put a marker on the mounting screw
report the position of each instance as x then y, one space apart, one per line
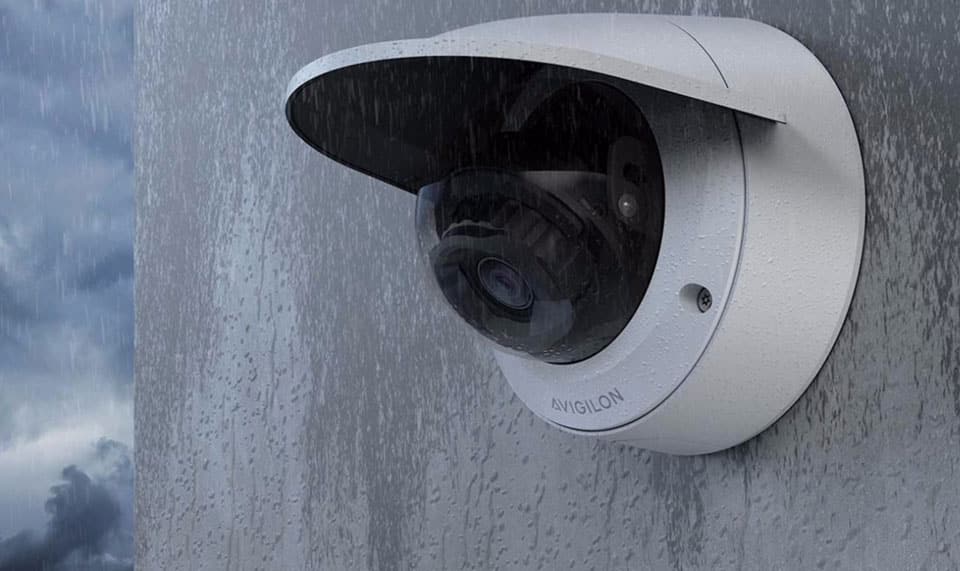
704 300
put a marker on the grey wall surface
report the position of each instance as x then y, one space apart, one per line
302 405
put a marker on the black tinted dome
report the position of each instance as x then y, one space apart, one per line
540 188
546 236
411 122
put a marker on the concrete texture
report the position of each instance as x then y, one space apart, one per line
301 404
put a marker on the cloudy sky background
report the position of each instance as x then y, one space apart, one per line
66 281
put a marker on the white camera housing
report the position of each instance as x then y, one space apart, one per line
762 228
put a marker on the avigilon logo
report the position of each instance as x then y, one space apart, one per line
589 406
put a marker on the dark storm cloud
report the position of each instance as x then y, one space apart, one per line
90 523
82 514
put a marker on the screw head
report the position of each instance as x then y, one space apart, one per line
704 300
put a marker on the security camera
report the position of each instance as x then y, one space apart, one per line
657 221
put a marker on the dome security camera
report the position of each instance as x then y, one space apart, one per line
657 220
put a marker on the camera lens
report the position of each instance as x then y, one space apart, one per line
504 283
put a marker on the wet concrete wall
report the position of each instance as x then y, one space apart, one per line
301 404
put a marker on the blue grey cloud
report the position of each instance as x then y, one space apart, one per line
66 116
66 268
68 65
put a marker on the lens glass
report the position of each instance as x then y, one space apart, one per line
504 283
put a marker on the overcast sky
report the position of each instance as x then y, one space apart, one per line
66 280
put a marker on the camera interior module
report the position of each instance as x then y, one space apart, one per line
657 221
